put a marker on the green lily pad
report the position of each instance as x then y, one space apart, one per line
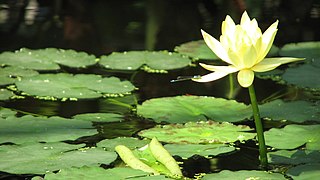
5 94
196 50
295 111
46 59
244 175
10 74
40 158
129 142
305 76
99 117
181 109
305 172
199 50
149 61
293 136
302 50
94 173
5 112
78 86
294 157
187 150
199 133
39 129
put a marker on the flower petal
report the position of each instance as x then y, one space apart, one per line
267 40
245 20
211 77
226 69
245 77
216 47
269 64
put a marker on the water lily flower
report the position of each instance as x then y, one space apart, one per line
244 48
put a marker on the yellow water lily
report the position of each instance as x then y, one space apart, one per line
244 47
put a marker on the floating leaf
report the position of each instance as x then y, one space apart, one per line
305 76
199 50
294 157
10 74
99 117
296 111
187 150
78 86
46 59
181 109
305 172
293 136
39 129
302 49
199 133
133 60
244 175
129 142
94 173
40 158
5 94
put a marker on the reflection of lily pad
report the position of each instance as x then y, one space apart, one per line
99 117
134 60
305 172
73 86
95 173
5 94
188 150
293 136
244 175
182 109
199 133
36 158
296 111
294 157
38 129
129 142
46 59
305 76
302 49
199 50
10 74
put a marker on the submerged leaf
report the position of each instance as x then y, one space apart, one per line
181 109
129 142
244 175
99 117
294 157
199 133
293 136
133 60
305 172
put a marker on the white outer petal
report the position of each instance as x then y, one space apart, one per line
211 77
226 69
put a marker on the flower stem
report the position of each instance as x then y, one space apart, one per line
259 128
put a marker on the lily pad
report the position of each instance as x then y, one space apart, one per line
303 49
181 109
293 136
78 86
244 175
294 157
99 117
94 173
199 50
40 158
41 129
305 172
295 111
305 76
129 142
5 112
154 61
10 74
199 133
187 150
5 94
46 59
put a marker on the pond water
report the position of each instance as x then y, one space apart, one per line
102 27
